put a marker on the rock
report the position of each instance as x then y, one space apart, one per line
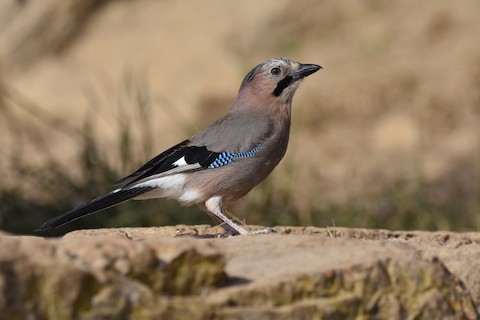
187 273
82 276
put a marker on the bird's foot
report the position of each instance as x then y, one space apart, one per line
233 233
262 231
227 234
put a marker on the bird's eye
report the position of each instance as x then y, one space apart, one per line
275 71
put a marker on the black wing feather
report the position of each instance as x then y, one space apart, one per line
200 155
165 161
153 163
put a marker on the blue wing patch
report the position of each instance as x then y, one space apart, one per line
225 158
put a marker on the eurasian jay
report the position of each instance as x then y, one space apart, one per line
224 161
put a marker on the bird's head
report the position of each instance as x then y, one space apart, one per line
274 81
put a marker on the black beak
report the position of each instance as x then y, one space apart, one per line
304 71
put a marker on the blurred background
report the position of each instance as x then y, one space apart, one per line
386 136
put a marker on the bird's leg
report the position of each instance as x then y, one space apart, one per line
213 207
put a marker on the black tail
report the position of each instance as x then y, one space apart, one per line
100 203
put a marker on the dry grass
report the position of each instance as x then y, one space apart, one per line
387 135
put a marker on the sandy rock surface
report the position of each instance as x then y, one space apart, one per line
187 272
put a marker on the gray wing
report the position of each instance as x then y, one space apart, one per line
236 132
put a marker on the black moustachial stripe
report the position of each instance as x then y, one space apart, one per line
282 84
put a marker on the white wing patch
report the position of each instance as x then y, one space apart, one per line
180 162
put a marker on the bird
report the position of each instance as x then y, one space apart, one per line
224 161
